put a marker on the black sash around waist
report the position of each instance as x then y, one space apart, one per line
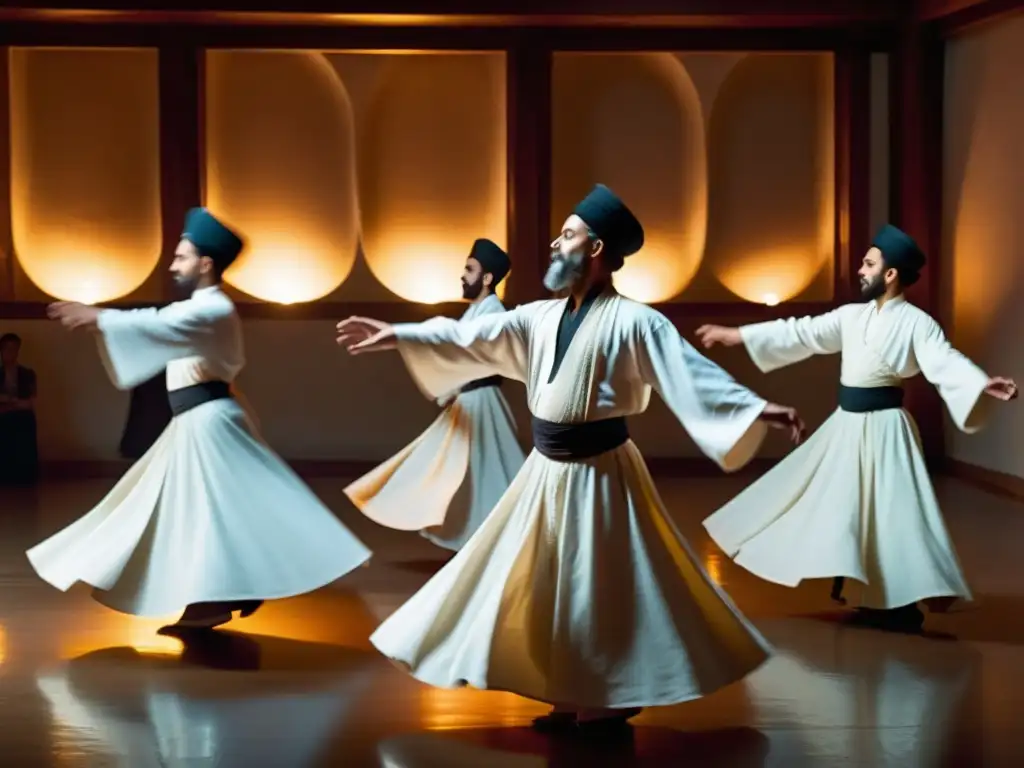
573 442
870 399
185 399
490 381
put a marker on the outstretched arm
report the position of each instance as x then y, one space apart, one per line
726 420
960 382
443 354
779 343
137 344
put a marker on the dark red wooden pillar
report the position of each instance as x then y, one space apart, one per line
181 158
852 166
528 83
916 91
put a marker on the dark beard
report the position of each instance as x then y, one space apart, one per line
872 290
471 291
185 286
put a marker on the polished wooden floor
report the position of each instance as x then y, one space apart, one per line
298 684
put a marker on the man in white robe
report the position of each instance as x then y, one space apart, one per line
578 590
448 480
856 500
209 520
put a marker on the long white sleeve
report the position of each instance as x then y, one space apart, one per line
718 413
443 354
959 381
779 343
136 345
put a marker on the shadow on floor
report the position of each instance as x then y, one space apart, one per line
525 748
987 619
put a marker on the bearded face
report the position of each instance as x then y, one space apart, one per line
570 253
872 287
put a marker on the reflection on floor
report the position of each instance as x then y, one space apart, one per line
298 684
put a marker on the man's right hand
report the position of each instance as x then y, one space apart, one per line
362 334
783 417
710 335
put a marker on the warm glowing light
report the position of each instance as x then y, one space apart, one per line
289 185
85 169
446 709
133 632
713 566
143 638
644 136
433 167
3 644
433 275
289 273
652 276
772 188
771 277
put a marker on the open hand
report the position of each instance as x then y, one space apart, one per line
710 335
362 334
1001 389
73 315
783 417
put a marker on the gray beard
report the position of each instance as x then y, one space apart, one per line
563 273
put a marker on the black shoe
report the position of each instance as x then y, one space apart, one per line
249 607
908 618
617 721
555 721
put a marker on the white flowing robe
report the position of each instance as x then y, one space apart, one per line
856 500
209 513
451 476
578 588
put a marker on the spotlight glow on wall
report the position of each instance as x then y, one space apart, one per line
85 169
281 166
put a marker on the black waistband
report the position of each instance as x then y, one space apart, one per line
185 399
490 381
869 399
572 442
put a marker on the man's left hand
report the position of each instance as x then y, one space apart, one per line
73 315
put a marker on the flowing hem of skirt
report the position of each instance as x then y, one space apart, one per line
610 703
863 583
102 596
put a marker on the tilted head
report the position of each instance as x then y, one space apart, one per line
893 263
207 248
486 266
594 242
10 346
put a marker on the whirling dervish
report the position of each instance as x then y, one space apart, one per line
578 590
209 520
448 479
855 501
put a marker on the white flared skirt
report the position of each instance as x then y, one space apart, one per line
577 589
446 482
209 513
856 501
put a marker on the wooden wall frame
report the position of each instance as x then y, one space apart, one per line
850 33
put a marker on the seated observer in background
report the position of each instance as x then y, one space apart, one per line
19 453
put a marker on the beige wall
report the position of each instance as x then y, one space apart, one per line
315 402
356 199
983 223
